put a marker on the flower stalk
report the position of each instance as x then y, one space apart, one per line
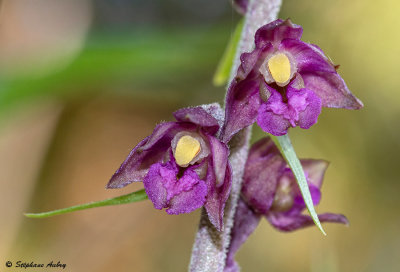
210 247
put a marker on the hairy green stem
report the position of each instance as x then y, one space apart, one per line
210 247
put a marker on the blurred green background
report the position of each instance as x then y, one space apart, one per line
81 82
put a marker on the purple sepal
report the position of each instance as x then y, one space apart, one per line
263 168
217 196
242 105
165 130
219 155
123 176
315 170
198 116
276 31
150 150
246 222
182 195
299 221
251 62
319 75
298 202
332 90
306 57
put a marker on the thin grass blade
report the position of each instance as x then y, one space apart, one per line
124 199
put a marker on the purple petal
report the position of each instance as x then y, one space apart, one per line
317 49
299 204
217 196
307 58
164 131
292 223
198 116
154 180
253 60
263 168
311 104
149 151
270 115
263 149
201 169
332 90
290 202
302 108
178 196
243 101
135 166
315 193
192 194
246 222
276 31
334 218
219 155
315 170
215 110
320 76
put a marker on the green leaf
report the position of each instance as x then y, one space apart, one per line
224 67
287 150
124 199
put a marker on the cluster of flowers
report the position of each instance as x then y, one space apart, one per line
184 165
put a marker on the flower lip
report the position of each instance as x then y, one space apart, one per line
177 196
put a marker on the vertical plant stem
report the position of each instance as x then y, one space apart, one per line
210 247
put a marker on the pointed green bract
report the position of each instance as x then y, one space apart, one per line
124 199
287 150
224 67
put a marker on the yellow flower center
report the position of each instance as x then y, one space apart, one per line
279 68
186 149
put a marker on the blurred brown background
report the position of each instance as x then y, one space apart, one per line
81 82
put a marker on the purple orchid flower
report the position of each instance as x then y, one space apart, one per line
182 164
270 190
283 83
